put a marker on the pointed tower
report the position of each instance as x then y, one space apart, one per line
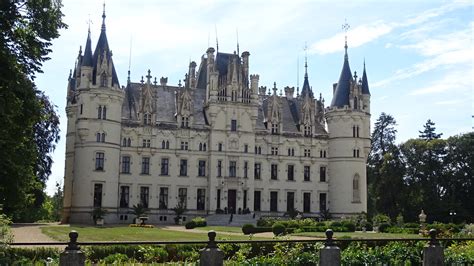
94 116
308 108
348 120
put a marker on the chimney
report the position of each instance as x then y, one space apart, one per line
289 91
163 81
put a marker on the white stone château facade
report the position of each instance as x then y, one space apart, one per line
218 141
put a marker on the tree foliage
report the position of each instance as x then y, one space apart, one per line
427 173
28 122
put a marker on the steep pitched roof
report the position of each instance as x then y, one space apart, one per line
306 88
341 94
87 58
365 83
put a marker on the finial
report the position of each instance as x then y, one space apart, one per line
305 60
103 17
274 88
148 77
142 80
179 83
128 77
237 32
329 241
345 27
80 49
70 73
355 75
155 82
217 41
89 22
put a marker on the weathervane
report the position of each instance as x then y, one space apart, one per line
345 27
306 59
89 22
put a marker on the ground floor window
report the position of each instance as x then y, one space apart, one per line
97 195
144 196
322 201
124 196
163 203
306 202
201 198
273 201
183 195
256 200
290 201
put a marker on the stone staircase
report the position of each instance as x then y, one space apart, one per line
237 219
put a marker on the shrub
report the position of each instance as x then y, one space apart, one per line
350 226
200 222
141 225
278 229
380 218
411 225
152 254
190 225
368 226
383 227
247 229
117 258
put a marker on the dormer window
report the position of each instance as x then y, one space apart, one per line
147 119
307 131
275 128
184 122
103 80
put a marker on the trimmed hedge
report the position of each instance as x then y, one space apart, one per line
196 222
278 229
248 229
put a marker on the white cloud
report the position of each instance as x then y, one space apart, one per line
448 102
453 81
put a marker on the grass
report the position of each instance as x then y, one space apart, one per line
358 235
230 229
122 233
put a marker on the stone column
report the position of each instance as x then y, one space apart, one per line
433 253
330 255
212 255
72 255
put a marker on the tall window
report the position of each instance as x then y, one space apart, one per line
163 203
246 148
306 202
246 169
129 142
291 172
126 164
97 195
356 188
273 201
256 200
102 112
100 137
219 168
322 202
200 146
183 196
99 112
307 173
232 169
99 161
245 199
322 174
124 196
163 144
274 172
183 167
290 201
353 131
202 168
144 196
164 166
218 199
103 80
219 146
204 147
233 125
167 144
357 131
146 165
257 171
124 142
201 198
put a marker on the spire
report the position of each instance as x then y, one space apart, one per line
87 59
365 83
306 90
345 27
341 93
103 17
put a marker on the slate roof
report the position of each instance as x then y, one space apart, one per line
87 58
365 83
341 94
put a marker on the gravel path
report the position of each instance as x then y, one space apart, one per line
26 233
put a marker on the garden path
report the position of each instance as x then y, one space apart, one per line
31 232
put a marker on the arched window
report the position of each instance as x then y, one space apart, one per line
163 145
129 142
204 148
98 137
167 144
259 150
124 142
357 131
324 154
356 188
200 146
355 103
102 137
104 112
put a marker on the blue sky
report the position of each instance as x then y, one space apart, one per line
419 54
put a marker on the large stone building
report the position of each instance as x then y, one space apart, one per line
216 142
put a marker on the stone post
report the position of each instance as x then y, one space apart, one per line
72 255
433 253
211 255
330 255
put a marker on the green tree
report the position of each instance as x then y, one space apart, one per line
383 142
429 132
28 123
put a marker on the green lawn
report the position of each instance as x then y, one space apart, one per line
123 233
232 229
358 235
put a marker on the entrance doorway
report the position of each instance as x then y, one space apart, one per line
231 200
